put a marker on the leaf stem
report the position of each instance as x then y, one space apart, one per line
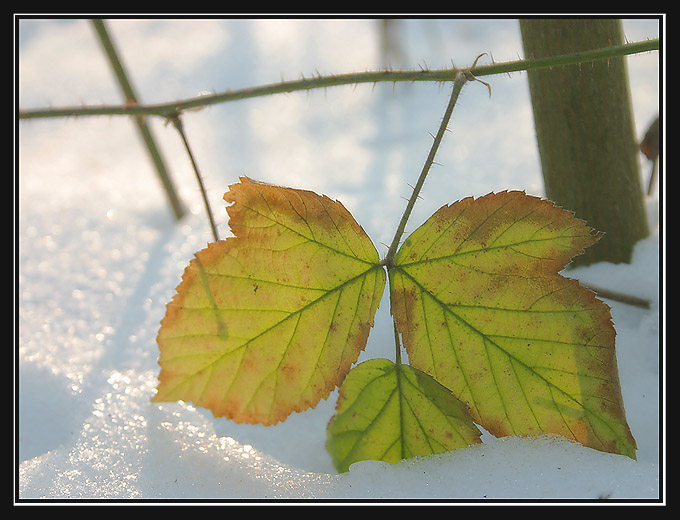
178 125
460 80
397 346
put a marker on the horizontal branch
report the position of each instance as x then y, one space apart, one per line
547 62
628 299
171 110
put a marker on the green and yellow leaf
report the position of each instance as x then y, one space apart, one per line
270 321
481 307
390 412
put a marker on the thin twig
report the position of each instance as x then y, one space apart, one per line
144 130
628 299
178 125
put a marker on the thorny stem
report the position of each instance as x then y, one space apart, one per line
169 110
178 125
460 80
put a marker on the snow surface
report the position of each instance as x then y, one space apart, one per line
100 254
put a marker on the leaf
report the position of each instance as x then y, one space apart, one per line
481 306
268 322
390 412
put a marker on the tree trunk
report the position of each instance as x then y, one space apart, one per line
585 133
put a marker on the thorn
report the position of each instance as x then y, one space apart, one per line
476 59
485 83
471 77
418 197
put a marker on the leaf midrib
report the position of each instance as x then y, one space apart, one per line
489 249
447 309
312 238
289 316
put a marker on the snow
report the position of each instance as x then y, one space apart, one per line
99 254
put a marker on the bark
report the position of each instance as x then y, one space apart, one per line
585 133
